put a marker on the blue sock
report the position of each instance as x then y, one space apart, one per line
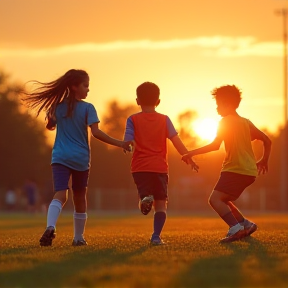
159 221
79 225
53 213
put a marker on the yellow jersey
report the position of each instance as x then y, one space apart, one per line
234 131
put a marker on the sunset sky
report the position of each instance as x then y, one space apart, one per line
187 47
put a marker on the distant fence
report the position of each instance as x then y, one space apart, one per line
189 200
121 200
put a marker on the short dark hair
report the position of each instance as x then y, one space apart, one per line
229 94
148 93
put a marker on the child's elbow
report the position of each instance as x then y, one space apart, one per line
215 145
95 132
268 142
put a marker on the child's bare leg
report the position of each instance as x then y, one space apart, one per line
219 202
79 200
236 212
160 207
61 196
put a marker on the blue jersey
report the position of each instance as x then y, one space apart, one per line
72 147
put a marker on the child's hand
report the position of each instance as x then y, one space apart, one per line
262 167
127 146
187 159
194 166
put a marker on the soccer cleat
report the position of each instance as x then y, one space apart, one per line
157 242
249 227
48 236
146 204
234 234
79 242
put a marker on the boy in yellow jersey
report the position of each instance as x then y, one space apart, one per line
149 131
239 168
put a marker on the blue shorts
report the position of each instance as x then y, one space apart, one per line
233 183
151 183
62 174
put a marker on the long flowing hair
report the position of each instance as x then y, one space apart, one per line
48 95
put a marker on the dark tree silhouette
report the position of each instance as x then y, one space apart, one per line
115 119
24 151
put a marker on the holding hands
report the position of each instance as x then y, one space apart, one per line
188 160
127 146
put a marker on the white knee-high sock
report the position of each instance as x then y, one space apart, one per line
53 213
79 225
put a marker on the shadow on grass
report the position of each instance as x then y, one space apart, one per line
227 270
59 273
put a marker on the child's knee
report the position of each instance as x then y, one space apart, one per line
160 205
213 199
62 196
210 201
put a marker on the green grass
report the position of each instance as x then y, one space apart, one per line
118 254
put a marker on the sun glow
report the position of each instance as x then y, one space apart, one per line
205 128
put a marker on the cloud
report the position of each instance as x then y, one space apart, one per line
217 46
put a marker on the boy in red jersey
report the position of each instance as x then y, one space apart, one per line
239 169
149 131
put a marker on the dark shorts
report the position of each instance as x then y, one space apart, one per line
151 183
233 183
62 174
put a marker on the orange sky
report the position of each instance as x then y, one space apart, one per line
187 47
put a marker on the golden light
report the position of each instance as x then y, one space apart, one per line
205 128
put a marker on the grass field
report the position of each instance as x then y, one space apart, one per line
118 254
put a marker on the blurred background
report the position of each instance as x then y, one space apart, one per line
187 48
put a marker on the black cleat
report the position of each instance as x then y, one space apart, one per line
48 236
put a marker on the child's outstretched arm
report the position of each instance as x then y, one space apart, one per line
213 146
256 134
180 147
102 136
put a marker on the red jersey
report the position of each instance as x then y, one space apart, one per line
150 132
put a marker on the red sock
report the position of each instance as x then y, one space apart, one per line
230 219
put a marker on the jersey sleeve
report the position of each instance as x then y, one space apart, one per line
170 128
92 116
129 130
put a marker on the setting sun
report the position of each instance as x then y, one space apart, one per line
205 128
